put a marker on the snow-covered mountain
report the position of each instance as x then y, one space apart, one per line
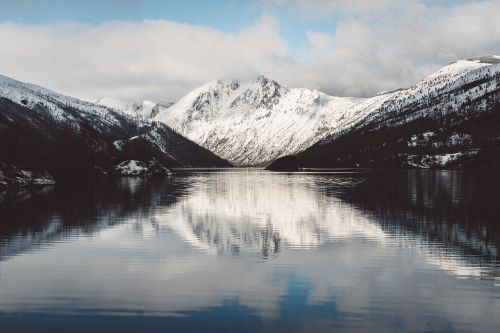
249 123
145 110
48 134
449 119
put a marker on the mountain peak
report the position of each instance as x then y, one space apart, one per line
264 80
251 122
488 59
234 84
144 110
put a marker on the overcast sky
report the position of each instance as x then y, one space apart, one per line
160 50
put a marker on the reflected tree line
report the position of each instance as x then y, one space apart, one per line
454 208
34 217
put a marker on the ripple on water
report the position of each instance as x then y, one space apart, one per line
259 251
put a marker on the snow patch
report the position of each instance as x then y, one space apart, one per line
439 160
141 168
13 176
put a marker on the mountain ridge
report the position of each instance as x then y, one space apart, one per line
249 123
450 118
447 120
144 111
48 136
253 123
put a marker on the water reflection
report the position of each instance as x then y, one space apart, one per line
37 218
249 251
259 213
451 216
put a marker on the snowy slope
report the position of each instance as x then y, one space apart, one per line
253 122
41 130
145 110
56 105
445 120
426 94
249 123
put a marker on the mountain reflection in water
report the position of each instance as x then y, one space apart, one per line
248 250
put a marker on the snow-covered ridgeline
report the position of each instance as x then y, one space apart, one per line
144 111
249 123
254 122
439 93
31 96
87 138
433 92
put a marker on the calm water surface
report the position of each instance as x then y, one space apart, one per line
248 251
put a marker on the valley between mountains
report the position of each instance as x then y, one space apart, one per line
449 119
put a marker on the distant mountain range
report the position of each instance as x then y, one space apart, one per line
450 119
145 110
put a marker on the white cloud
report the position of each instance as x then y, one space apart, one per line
132 60
329 7
372 53
373 48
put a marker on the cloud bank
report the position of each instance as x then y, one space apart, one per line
372 49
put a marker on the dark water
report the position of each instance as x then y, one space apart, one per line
250 251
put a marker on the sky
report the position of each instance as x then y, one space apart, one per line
161 50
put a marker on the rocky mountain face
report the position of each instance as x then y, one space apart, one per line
45 135
250 123
144 111
451 119
445 118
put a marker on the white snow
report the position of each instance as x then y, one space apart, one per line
455 68
437 94
140 168
20 177
131 168
142 111
253 122
44 179
439 160
457 139
113 103
421 139
258 121
30 95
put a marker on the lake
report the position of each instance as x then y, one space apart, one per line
246 250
